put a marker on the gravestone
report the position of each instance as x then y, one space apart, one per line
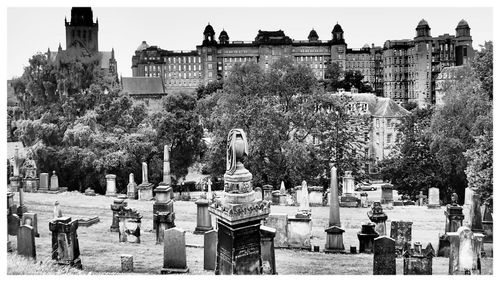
131 187
163 207
30 219
467 207
304 209
315 195
130 225
117 206
433 202
268 189
54 182
22 207
209 250
488 220
127 263
238 214
465 252
401 233
44 182
26 242
334 237
267 250
203 219
364 198
111 185
366 237
454 218
384 256
57 210
30 180
174 256
88 221
348 199
386 194
299 232
258 194
65 247
421 198
13 223
417 261
476 215
279 221
145 189
378 216
282 194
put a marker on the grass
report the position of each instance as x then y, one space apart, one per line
100 249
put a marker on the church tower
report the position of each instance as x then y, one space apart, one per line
81 31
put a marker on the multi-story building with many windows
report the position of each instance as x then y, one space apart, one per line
404 70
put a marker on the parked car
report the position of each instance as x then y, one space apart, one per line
365 186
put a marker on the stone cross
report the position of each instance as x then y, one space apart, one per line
166 165
145 173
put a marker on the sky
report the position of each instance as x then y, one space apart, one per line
35 29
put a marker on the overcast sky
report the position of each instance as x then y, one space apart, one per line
32 30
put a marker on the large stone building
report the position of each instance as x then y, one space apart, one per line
82 38
411 67
381 135
404 70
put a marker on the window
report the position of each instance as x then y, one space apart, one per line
209 58
389 138
209 66
210 74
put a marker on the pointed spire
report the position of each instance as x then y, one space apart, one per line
112 53
59 49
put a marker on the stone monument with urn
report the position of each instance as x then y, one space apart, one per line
163 208
238 214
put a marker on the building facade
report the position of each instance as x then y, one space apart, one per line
404 70
82 39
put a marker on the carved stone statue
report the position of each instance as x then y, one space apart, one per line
237 149
454 199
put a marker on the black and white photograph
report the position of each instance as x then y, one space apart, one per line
266 138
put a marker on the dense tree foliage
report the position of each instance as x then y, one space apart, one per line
76 122
453 149
294 129
336 78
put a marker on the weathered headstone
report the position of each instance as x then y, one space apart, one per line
364 198
65 247
384 256
401 233
476 215
258 194
348 199
433 202
145 189
387 194
282 194
334 239
366 237
378 216
30 219
488 220
203 219
209 250
417 261
57 210
267 250
299 232
88 221
111 185
22 207
127 263
467 207
174 256
131 187
238 214
44 182
279 221
54 182
465 252
163 207
268 189
26 242
304 209
130 225
117 206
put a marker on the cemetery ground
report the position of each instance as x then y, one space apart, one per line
100 249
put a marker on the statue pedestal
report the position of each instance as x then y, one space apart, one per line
163 211
334 240
145 191
15 183
203 219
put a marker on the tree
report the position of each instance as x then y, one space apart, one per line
355 79
412 167
333 77
282 111
204 90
